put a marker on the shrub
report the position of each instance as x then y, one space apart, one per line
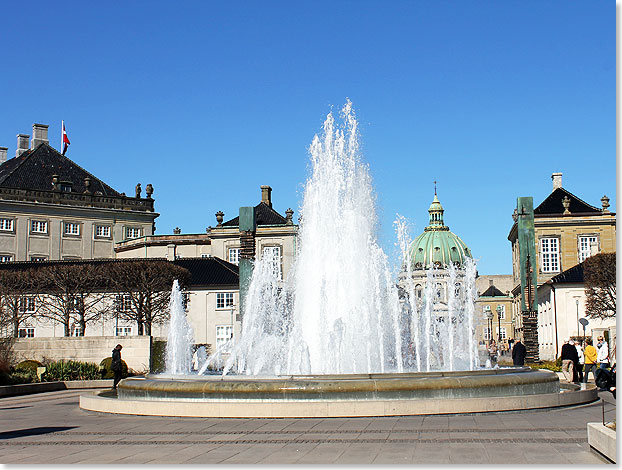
107 373
28 365
158 357
549 365
70 370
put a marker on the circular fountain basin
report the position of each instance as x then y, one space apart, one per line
340 395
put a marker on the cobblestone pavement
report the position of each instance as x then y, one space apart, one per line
50 428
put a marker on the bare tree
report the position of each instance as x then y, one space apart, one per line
599 273
18 299
147 285
74 294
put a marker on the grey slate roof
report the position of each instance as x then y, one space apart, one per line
571 275
264 215
34 168
552 205
204 272
492 291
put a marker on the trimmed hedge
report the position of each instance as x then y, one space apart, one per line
28 365
105 372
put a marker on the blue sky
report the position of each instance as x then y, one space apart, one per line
209 100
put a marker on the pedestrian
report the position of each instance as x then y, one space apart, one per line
492 350
603 353
519 351
115 365
590 355
569 356
579 365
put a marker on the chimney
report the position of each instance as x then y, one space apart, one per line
39 134
266 195
22 144
3 154
490 281
557 180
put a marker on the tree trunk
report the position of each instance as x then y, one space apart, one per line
15 322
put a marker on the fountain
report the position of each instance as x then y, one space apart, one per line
339 336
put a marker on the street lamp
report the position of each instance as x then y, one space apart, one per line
577 301
499 319
489 318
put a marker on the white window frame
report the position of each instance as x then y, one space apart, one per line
502 314
224 334
487 332
29 332
6 225
124 302
275 253
585 246
39 227
27 304
123 331
235 259
549 254
71 229
6 258
76 330
132 230
504 334
224 300
106 231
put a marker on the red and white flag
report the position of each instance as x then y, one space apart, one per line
65 140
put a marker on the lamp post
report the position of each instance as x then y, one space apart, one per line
499 319
489 318
577 302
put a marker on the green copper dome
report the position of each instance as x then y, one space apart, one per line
437 246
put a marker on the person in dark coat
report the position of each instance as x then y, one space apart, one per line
569 357
115 365
519 351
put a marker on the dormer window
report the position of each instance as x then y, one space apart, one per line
65 188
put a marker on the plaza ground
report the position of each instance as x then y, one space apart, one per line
50 428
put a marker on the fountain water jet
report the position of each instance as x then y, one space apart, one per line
329 340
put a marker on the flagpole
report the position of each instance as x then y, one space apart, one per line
62 126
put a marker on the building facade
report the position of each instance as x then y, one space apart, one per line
495 307
567 231
52 209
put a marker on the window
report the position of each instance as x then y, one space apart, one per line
487 333
38 258
224 333
549 251
38 226
132 232
65 188
27 305
102 231
6 225
6 258
501 312
273 254
124 303
224 299
26 333
71 228
77 331
585 247
419 290
123 331
502 333
486 309
234 255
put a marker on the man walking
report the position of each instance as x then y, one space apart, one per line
590 355
115 365
569 358
519 351
579 366
603 353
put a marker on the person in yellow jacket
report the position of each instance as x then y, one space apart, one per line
590 354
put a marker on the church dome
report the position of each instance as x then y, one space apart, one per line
437 246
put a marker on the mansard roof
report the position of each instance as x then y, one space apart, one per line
552 205
492 291
264 214
33 170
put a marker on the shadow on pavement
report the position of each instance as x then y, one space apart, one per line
33 431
